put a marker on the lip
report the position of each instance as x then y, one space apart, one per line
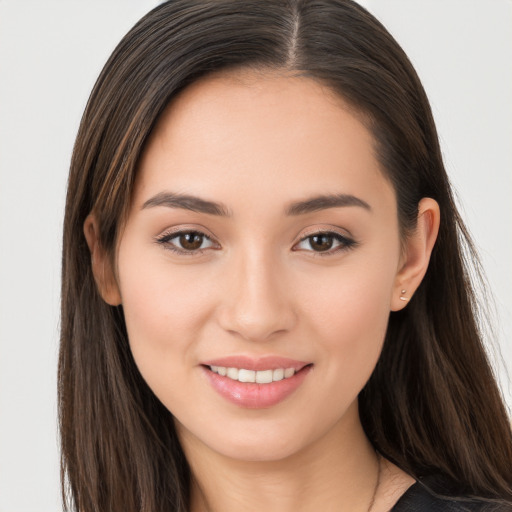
251 395
257 364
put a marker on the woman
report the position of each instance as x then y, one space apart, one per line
269 308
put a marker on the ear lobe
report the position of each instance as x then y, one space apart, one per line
100 263
416 257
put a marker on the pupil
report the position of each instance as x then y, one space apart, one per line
191 241
321 242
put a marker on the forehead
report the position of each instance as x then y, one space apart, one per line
258 132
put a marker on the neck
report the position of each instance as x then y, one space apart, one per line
339 471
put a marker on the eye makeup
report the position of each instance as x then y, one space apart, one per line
189 242
192 242
326 243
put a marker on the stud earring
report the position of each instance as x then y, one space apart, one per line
402 295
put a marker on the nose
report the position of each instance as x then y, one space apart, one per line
258 300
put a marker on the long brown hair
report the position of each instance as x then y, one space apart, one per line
431 406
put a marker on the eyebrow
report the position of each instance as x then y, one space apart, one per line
324 202
187 202
196 204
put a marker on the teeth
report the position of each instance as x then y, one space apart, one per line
260 376
288 373
232 373
246 375
264 376
278 374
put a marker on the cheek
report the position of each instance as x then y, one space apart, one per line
350 313
164 308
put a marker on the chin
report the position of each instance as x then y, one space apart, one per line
261 451
253 441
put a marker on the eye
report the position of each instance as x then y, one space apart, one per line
186 242
327 242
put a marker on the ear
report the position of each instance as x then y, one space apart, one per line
416 254
101 266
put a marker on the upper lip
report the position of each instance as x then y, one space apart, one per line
256 363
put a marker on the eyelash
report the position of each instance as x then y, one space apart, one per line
345 243
165 239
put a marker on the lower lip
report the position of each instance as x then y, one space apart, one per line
255 396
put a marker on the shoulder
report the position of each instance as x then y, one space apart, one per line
421 498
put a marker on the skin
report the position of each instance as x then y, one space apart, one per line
257 142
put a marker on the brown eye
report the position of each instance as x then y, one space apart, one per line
191 241
186 242
325 242
321 242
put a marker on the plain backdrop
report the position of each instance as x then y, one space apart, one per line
50 55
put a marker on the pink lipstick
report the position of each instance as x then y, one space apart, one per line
255 383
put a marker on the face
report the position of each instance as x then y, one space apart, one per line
262 244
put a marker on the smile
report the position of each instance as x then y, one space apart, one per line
260 376
255 383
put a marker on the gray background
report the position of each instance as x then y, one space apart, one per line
50 55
